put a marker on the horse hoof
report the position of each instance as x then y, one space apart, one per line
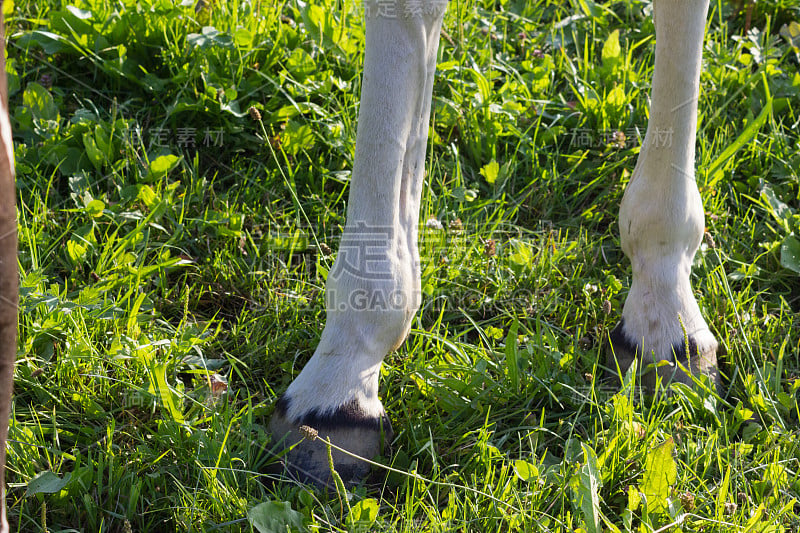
306 443
699 357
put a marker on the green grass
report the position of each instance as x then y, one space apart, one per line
164 239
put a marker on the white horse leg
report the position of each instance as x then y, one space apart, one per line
661 217
373 289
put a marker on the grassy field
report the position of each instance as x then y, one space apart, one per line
170 242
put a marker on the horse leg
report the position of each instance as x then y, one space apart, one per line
661 217
373 289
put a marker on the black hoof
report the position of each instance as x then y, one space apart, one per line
346 427
621 352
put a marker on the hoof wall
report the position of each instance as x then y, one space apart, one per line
307 456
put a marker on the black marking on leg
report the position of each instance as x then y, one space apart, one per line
620 341
620 354
686 359
622 344
349 415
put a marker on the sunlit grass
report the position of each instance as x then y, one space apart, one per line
167 240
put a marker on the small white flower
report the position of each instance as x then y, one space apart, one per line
432 223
